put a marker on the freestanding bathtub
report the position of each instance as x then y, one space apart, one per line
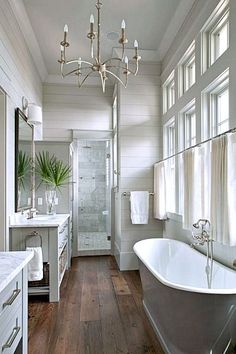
188 317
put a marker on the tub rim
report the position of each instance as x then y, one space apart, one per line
219 291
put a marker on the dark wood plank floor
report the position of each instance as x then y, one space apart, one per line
100 312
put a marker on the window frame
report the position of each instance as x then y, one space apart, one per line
168 90
209 105
187 59
217 20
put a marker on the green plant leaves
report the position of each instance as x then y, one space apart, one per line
52 171
24 166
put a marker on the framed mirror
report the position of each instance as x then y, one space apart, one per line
23 162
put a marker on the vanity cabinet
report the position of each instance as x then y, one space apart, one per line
54 231
13 302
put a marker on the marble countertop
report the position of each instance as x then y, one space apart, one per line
11 263
42 220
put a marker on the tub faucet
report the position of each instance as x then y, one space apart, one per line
201 238
204 236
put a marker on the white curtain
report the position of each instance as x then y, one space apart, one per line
231 189
159 209
188 190
219 191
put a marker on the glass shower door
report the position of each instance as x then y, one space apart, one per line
94 191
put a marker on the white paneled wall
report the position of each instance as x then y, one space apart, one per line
18 77
68 107
140 134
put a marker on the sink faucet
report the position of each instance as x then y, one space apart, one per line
30 213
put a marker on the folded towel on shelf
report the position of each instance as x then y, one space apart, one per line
139 201
35 266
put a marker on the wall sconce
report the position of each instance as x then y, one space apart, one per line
32 111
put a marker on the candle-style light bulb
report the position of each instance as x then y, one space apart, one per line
135 44
91 18
62 48
79 62
66 29
123 24
126 60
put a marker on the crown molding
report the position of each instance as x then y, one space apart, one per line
176 23
22 18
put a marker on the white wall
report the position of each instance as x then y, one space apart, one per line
68 107
140 139
190 31
18 77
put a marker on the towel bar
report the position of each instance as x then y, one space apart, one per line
33 234
127 194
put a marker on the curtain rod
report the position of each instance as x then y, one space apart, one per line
233 130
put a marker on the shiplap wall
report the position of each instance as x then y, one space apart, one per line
68 107
18 77
140 132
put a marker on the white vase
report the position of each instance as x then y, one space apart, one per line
50 196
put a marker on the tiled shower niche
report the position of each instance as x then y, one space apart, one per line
94 195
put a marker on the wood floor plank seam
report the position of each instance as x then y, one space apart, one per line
100 312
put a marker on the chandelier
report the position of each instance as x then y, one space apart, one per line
83 69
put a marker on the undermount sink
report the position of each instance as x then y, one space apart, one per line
43 217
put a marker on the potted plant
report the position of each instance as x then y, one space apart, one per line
54 174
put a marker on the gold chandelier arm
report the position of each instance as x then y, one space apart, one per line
121 67
119 59
74 71
80 84
103 82
115 76
77 61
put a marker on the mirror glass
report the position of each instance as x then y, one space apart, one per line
23 161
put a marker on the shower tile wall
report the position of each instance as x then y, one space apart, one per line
92 186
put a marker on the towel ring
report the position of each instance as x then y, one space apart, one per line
33 234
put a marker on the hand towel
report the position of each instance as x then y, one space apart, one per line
139 207
35 266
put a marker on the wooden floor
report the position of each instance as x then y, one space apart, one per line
100 312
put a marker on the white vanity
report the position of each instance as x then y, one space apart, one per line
54 231
14 301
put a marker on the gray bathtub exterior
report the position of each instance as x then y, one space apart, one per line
188 322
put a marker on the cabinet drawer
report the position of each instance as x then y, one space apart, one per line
12 333
10 297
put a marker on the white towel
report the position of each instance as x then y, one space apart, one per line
35 266
139 207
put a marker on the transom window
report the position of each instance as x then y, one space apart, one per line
215 102
186 70
169 93
215 35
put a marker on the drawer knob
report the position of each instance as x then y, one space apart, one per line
12 298
11 339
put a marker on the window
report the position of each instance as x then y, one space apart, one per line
186 70
219 111
215 35
187 126
169 143
216 107
169 93
169 137
219 38
190 128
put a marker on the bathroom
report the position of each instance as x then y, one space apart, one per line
112 140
